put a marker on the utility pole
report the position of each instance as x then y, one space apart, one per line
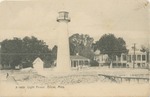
134 47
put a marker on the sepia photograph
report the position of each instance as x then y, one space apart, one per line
74 48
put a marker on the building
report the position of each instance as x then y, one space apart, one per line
133 59
63 54
6 66
38 64
137 59
120 62
102 59
79 61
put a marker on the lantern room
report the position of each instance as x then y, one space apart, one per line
63 16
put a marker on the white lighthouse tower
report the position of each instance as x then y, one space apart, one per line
63 53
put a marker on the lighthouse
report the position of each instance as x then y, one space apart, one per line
63 52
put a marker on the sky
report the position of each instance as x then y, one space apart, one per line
128 19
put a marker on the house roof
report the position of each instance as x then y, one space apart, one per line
37 60
78 57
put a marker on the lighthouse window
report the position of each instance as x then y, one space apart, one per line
66 16
61 15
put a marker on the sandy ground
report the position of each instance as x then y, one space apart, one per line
90 90
85 82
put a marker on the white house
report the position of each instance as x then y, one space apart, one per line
137 59
102 59
134 59
120 62
78 60
38 64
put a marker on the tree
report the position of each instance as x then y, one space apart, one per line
144 49
10 50
25 51
54 53
33 48
81 44
147 50
109 44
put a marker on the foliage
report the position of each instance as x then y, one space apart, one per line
147 50
54 53
109 44
112 46
33 48
25 51
11 50
81 44
144 49
94 63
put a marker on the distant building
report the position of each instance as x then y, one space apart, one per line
6 66
102 59
79 61
120 62
138 58
38 64
20 66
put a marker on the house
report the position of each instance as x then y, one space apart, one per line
134 59
78 60
120 62
6 66
137 59
20 66
102 59
38 64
